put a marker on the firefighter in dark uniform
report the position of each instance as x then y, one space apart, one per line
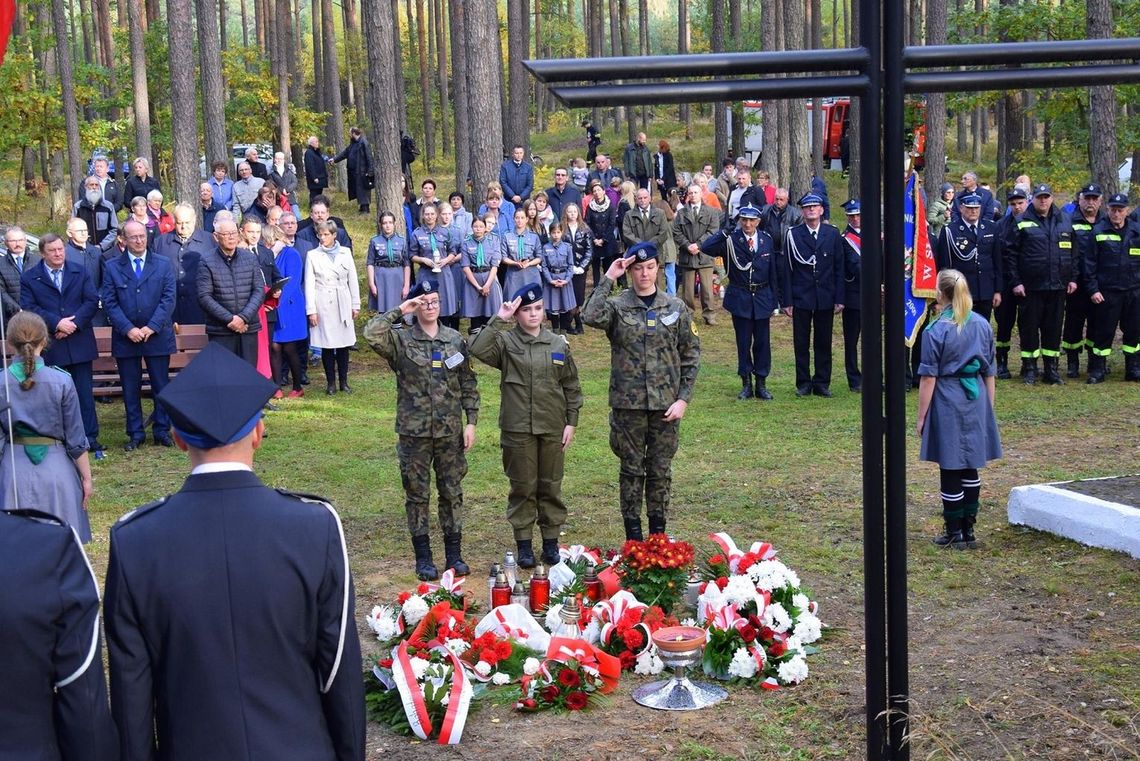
970 245
51 664
230 610
752 296
1005 312
1112 272
1041 260
812 290
1077 305
852 299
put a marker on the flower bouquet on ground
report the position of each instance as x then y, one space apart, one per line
654 569
495 659
394 622
574 676
626 626
433 692
567 577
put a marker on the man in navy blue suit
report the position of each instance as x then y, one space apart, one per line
230 609
185 246
752 295
813 265
62 294
139 297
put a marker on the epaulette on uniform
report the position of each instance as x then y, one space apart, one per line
142 510
313 498
39 516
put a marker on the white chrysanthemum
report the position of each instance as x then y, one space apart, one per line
501 677
771 574
482 668
808 628
593 632
800 601
531 666
743 665
740 590
414 609
419 667
794 645
383 622
457 646
793 671
776 618
648 662
791 578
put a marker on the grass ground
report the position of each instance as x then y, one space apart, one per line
1027 648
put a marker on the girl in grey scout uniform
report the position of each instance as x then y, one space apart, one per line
955 405
447 220
541 398
480 258
581 241
389 268
557 277
522 255
432 248
435 389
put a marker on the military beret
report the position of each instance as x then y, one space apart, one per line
973 200
217 399
1118 199
643 252
1092 189
853 207
529 294
811 199
749 212
1017 193
1042 190
423 288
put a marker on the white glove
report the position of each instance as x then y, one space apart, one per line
579 271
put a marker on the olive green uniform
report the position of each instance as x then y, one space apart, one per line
434 385
655 354
540 397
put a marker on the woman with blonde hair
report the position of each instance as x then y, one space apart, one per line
45 463
955 405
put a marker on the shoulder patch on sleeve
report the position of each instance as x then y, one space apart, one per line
142 510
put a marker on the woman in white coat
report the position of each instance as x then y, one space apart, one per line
332 301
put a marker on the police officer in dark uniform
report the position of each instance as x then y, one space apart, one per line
230 609
1041 260
1112 272
969 244
752 296
812 290
852 299
51 664
1077 305
1005 312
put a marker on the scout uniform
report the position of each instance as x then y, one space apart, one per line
540 397
388 258
435 243
435 387
1112 269
655 354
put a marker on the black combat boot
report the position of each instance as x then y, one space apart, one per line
746 392
953 535
1096 369
550 554
633 529
762 391
1003 364
425 568
1132 367
969 541
524 554
1052 375
1073 363
656 524
452 547
1029 371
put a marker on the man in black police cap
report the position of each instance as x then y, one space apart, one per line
229 605
752 296
51 665
969 244
1005 311
1073 338
1112 269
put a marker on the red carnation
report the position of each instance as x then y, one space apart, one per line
423 589
722 582
634 638
503 649
384 663
576 701
403 597
569 678
529 704
716 559
549 693
489 655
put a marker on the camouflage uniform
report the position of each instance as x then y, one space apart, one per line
540 397
655 353
434 382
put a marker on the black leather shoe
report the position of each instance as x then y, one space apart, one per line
163 441
803 390
346 388
823 391
762 392
134 444
857 388
330 389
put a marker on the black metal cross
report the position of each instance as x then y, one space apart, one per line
880 72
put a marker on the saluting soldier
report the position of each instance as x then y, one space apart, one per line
752 296
1005 311
541 398
51 664
1112 277
969 244
230 608
1077 305
435 388
655 354
812 291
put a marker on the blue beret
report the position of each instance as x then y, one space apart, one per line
748 212
853 206
811 199
972 200
642 252
529 294
423 288
217 399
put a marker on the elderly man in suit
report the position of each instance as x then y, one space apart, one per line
316 170
694 223
646 223
16 260
62 294
139 297
185 246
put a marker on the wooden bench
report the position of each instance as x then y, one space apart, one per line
190 340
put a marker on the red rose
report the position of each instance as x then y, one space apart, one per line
549 693
529 704
776 649
503 649
423 589
748 634
569 678
755 621
628 660
576 701
722 582
767 633
489 655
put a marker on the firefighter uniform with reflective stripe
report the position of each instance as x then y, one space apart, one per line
1112 269
1077 304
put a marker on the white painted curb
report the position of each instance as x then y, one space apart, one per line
1080 517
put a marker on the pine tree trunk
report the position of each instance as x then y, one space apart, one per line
734 30
935 102
854 132
336 133
1010 136
143 144
769 116
320 96
815 33
1102 105
518 82
615 51
539 88
67 97
422 56
438 14
623 28
398 67
284 40
719 109
458 22
213 89
596 42
484 85
183 100
795 23
381 32
643 49
223 34
245 24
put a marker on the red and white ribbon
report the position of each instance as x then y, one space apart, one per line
458 704
449 581
577 551
593 661
415 707
412 698
732 553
